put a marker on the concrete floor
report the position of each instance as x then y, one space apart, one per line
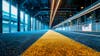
91 39
15 44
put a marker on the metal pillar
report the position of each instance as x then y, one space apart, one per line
0 16
24 21
41 26
38 25
10 2
29 23
35 24
18 17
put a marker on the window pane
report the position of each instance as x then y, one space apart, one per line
5 6
13 27
26 22
13 12
26 18
22 27
21 21
13 18
5 26
26 26
21 15
5 11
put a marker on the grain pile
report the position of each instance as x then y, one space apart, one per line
55 44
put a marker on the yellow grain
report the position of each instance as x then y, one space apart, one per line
56 44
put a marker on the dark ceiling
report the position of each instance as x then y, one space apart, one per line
40 9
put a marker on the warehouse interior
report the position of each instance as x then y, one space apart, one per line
49 27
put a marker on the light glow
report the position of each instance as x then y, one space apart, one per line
84 12
55 12
53 15
52 7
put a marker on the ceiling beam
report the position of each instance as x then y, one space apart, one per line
60 9
23 3
87 10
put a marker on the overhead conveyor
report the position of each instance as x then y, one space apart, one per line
87 10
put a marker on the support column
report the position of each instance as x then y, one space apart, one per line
0 16
38 25
77 21
10 2
18 17
35 25
29 23
41 26
24 20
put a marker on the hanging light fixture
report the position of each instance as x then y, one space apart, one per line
52 19
52 7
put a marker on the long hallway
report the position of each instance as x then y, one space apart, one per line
49 27
55 44
50 43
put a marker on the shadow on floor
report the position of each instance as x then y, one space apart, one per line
90 41
13 44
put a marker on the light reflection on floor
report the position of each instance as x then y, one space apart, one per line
56 44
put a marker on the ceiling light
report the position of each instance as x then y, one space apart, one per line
93 7
55 11
81 7
52 7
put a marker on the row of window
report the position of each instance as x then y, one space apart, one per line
92 27
88 25
10 23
